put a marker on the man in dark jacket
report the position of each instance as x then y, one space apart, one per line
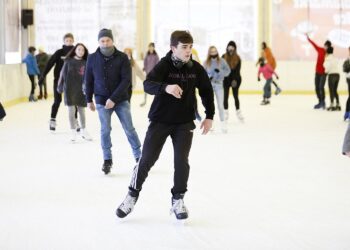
108 77
57 60
173 82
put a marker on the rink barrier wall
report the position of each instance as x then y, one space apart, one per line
15 84
296 78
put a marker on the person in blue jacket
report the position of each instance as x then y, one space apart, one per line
108 78
32 70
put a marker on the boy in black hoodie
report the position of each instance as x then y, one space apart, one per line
57 60
173 81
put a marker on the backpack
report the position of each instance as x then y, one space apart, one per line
346 66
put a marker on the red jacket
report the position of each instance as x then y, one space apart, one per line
321 54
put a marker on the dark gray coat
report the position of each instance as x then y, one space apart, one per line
71 82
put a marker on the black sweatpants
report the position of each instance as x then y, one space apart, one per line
157 133
32 81
320 81
348 101
57 100
235 92
333 81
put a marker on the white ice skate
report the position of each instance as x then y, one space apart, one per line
239 115
226 114
85 135
179 208
73 137
224 127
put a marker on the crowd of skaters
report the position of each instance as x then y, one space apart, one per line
103 82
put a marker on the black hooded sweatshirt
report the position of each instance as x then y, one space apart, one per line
169 109
57 60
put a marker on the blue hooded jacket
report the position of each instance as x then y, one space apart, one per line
32 65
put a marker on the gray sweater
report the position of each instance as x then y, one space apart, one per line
71 82
346 145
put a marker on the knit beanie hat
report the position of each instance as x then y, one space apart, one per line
105 33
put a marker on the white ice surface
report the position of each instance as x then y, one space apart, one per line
278 181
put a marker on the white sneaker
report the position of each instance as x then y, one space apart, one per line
85 135
239 115
73 137
226 114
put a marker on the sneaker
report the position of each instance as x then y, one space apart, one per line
239 115
107 165
278 91
337 108
178 207
73 135
128 204
85 135
53 124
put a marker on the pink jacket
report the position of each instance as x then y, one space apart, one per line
267 71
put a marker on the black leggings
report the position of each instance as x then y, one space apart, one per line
333 81
31 78
348 101
57 100
235 91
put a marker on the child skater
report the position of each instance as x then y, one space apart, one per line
267 72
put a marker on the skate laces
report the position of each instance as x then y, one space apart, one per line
178 207
128 204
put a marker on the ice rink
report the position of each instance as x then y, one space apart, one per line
277 181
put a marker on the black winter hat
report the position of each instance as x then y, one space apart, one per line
105 33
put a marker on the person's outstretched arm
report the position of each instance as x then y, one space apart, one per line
313 44
49 65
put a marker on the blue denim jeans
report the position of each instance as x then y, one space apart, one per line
267 88
219 95
123 112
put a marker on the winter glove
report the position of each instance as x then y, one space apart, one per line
258 79
217 70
